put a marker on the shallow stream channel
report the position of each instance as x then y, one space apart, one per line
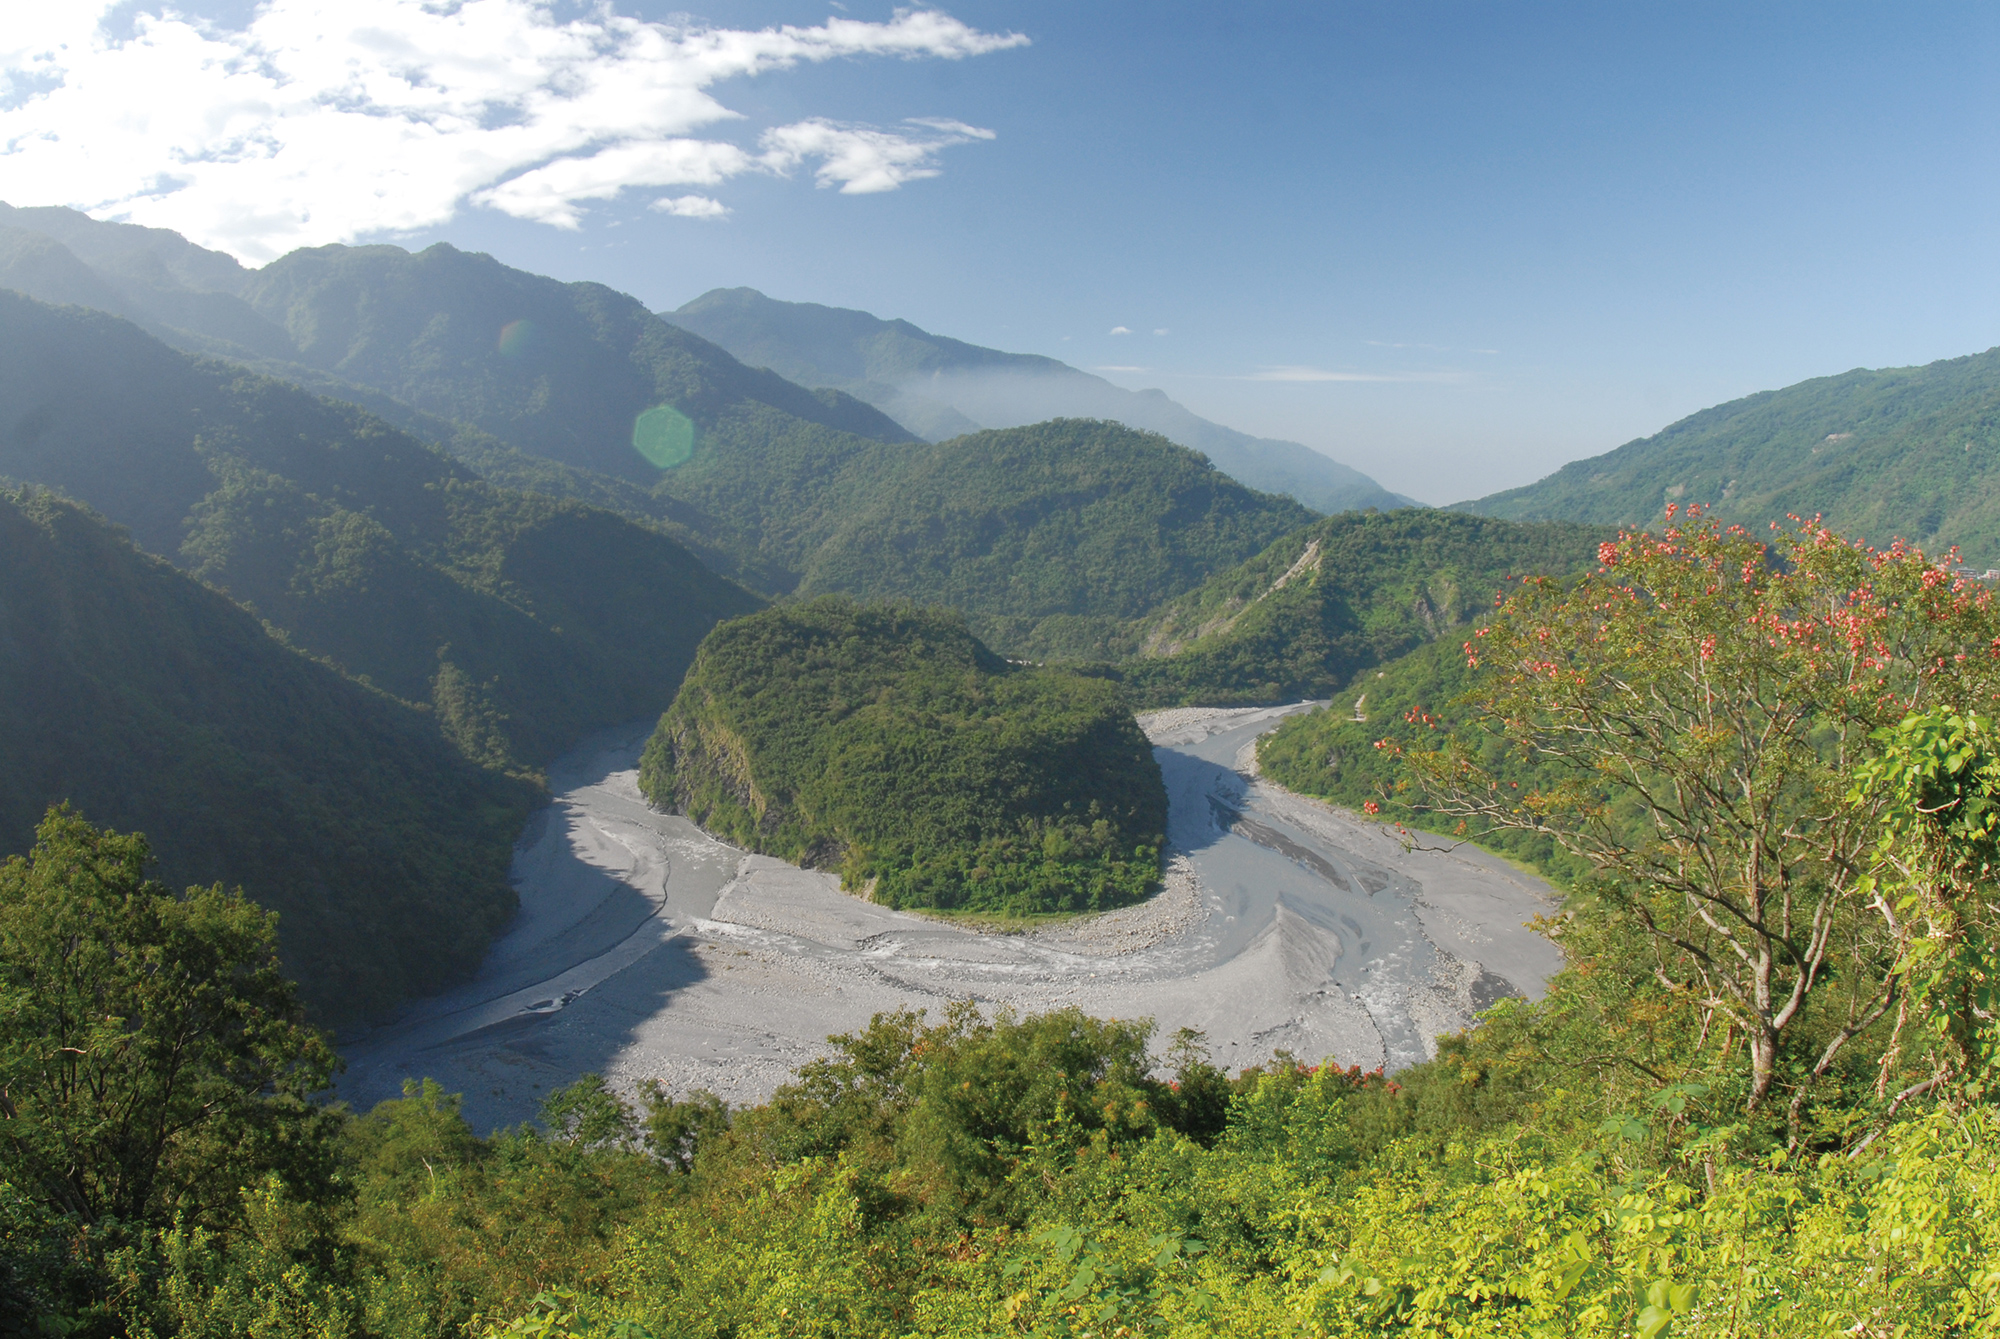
646 949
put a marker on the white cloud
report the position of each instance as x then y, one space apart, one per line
551 193
691 207
862 160
326 120
1162 330
1121 330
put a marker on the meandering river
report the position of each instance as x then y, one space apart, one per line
647 950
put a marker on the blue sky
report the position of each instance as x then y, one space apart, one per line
1452 245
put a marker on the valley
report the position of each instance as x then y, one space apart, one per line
647 950
1114 750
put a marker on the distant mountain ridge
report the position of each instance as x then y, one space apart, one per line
521 622
1907 452
941 388
1045 536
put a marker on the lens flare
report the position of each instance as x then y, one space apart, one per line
515 337
665 436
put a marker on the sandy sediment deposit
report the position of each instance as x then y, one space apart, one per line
647 950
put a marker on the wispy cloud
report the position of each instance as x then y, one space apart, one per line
862 160
1429 348
1121 329
325 120
1330 374
1162 330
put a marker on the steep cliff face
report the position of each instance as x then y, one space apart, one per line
696 763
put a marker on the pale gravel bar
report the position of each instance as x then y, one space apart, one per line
646 949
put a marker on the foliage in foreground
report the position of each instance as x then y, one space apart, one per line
1611 1160
888 743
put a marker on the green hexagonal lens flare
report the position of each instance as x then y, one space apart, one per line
664 436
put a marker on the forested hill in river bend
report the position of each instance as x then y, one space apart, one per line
887 742
943 387
1904 452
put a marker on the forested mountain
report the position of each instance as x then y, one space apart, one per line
944 387
571 390
1339 596
1908 452
559 370
886 742
523 621
155 704
1044 537
185 294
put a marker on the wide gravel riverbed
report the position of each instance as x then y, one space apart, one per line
646 949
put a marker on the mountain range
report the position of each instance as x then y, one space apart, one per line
523 621
942 388
1907 453
408 525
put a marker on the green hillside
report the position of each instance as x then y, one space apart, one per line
1046 537
1339 596
182 293
559 370
556 388
1909 452
790 490
154 704
943 388
888 743
524 621
1042 536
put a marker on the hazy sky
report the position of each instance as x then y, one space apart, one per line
1451 245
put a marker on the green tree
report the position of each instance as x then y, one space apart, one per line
1937 786
1732 688
153 1061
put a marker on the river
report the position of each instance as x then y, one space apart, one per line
647 950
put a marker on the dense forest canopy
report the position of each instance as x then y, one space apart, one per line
886 742
523 621
154 704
